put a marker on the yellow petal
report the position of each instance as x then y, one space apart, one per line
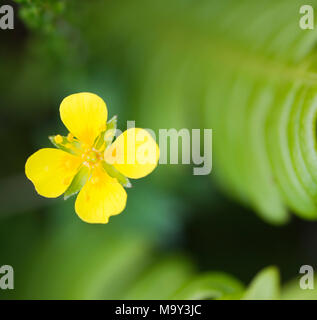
134 153
85 115
51 171
100 198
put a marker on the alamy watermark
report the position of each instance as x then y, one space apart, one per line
306 21
6 277
137 148
6 17
307 280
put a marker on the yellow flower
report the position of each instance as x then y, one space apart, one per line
87 161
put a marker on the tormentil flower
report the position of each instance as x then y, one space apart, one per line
87 161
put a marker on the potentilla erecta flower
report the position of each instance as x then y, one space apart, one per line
89 162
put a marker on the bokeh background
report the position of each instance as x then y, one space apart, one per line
161 64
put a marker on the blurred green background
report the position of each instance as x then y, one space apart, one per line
181 235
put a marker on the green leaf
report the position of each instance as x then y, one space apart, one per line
107 136
114 173
265 285
293 291
213 285
78 182
41 15
111 130
162 279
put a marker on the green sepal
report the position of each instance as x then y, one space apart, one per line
75 145
78 182
114 173
106 136
111 130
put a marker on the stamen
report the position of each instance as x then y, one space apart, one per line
85 163
91 158
70 137
58 139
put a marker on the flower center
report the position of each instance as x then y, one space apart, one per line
91 157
